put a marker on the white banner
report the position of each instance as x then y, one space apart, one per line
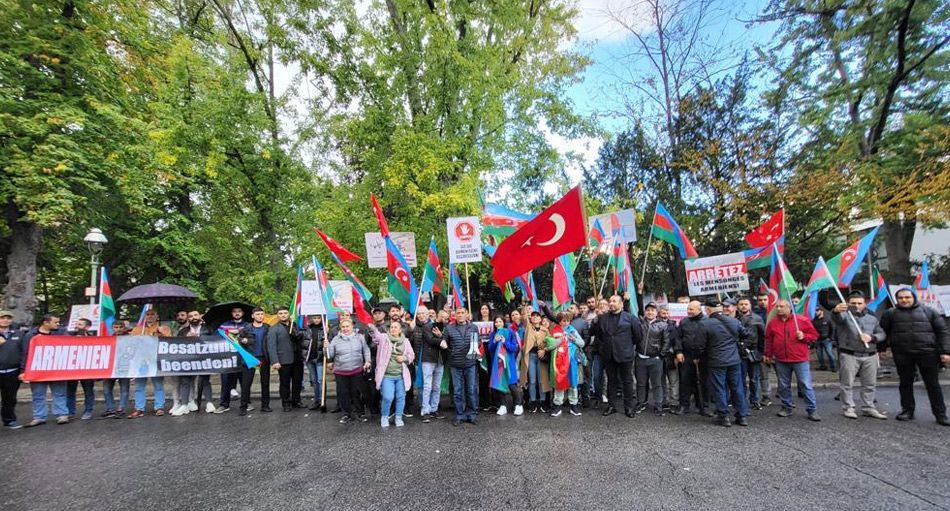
717 274
465 239
90 312
312 301
376 248
677 311
627 220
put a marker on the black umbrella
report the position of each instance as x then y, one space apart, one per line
157 293
222 312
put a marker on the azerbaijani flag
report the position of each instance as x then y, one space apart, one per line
845 266
501 221
763 287
882 291
757 258
499 375
781 283
820 279
564 284
761 239
106 304
296 318
526 284
666 229
459 299
326 290
141 322
434 279
358 285
623 274
597 237
922 281
399 282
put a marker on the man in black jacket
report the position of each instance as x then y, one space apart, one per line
723 335
920 341
253 338
618 334
461 339
689 345
429 347
653 345
312 351
754 348
283 351
11 340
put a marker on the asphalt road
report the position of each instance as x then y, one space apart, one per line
307 460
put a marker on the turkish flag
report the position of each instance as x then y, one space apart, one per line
769 232
341 252
555 231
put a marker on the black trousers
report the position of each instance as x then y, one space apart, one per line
9 384
247 380
349 390
264 370
297 383
620 374
368 392
693 383
289 386
516 393
929 367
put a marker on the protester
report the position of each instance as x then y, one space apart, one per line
83 329
653 345
393 353
618 334
186 382
671 374
116 410
532 365
460 338
564 346
826 332
689 346
283 352
229 381
350 357
48 326
11 352
371 397
597 379
753 347
153 328
503 368
253 337
430 350
857 351
920 341
787 337
313 357
724 335
582 326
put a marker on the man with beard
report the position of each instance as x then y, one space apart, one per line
618 334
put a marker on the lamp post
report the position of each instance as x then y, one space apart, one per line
95 241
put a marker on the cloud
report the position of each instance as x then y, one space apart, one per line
579 152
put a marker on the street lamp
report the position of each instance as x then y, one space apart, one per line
95 241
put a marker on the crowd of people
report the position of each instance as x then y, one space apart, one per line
716 361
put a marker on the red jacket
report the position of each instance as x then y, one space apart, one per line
781 339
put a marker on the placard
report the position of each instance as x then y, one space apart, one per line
465 243
85 310
627 220
311 303
677 311
376 248
717 274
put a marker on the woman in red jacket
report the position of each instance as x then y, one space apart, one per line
787 337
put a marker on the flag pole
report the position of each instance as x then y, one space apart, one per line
415 315
613 240
646 255
593 278
871 282
468 291
841 296
323 381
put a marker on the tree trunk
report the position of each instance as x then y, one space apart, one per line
19 294
898 240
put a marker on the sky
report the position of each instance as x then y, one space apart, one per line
606 42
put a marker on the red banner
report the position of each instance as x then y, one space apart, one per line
61 357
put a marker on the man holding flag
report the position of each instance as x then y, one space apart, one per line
857 354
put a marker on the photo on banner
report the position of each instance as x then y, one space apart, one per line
376 248
83 310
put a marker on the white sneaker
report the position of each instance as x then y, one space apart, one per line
250 408
874 413
399 422
502 410
176 410
384 421
519 410
849 413
184 410
209 408
603 399
192 406
234 393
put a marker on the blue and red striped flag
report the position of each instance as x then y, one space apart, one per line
845 266
458 299
399 282
666 229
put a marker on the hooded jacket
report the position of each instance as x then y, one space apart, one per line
915 330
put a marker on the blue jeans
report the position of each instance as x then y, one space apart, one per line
431 386
108 389
88 395
315 369
802 372
158 385
751 372
465 391
725 382
534 385
597 375
392 388
38 391
826 352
